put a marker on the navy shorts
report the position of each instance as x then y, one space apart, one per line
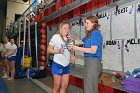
12 58
59 69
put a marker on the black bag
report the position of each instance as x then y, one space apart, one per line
39 74
20 73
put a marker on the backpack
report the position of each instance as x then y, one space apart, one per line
20 73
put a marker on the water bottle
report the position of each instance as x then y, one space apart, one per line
28 75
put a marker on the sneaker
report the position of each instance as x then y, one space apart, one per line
5 76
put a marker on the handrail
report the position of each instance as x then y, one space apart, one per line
50 4
29 10
23 13
29 7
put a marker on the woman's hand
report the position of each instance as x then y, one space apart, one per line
61 50
51 50
70 47
75 47
79 42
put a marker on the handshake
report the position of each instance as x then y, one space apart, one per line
73 44
70 41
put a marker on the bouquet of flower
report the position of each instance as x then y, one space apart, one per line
70 41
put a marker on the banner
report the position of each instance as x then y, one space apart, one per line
89 6
68 2
46 12
83 9
76 11
65 16
70 14
43 13
102 3
49 10
53 8
58 5
56 20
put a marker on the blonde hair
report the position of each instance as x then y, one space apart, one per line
60 26
92 19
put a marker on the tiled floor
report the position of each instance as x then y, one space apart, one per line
18 86
78 72
48 81
3 87
23 86
26 86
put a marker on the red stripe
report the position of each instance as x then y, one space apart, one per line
78 82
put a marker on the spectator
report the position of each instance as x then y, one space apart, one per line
36 11
1 48
41 6
6 66
12 58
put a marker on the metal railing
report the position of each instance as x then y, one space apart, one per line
15 25
18 23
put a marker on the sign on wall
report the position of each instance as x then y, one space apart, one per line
50 32
131 54
104 21
123 22
112 58
82 32
79 58
75 29
138 19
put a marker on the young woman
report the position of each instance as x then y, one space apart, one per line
1 49
1 55
12 58
61 59
7 46
93 54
